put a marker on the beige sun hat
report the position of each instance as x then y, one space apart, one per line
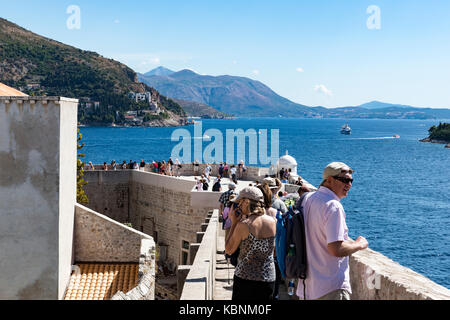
270 182
251 193
335 169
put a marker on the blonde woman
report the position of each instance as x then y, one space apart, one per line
253 231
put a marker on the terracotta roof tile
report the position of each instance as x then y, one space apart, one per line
101 281
8 91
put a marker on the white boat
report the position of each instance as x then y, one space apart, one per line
396 136
346 129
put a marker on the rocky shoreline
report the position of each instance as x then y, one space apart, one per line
447 144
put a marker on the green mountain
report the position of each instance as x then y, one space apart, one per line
244 97
42 66
232 95
197 109
373 105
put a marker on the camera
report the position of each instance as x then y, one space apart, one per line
236 209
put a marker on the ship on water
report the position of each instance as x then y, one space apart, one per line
346 129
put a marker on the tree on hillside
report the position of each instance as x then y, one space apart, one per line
81 195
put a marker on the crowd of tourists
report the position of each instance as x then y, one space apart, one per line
251 220
205 180
169 168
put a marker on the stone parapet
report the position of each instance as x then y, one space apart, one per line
376 277
98 238
145 289
200 281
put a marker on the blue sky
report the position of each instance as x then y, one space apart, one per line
311 52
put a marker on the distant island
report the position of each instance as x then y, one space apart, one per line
439 134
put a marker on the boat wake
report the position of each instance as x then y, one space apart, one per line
375 138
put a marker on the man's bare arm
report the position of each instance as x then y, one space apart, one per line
346 248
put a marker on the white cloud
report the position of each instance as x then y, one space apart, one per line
322 89
300 70
151 61
255 72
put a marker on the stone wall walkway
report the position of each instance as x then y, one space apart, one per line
223 289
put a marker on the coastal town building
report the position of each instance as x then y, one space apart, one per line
148 97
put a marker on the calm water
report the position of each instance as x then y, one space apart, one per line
400 200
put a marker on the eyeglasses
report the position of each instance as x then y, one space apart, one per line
344 180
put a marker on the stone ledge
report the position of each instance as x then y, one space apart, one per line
376 277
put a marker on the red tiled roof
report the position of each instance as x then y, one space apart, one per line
101 281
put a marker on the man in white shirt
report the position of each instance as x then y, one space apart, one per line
328 246
208 170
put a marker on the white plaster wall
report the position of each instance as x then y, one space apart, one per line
30 196
29 200
67 188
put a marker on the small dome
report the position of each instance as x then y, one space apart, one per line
287 161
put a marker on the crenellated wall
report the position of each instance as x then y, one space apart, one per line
37 195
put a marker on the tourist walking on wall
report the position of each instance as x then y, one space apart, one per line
207 171
301 191
328 246
142 165
233 174
170 167
162 168
217 187
241 169
225 170
91 166
199 184
105 166
177 167
254 233
114 165
221 170
225 197
274 186
272 212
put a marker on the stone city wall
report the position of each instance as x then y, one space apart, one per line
145 289
163 211
108 193
161 206
98 238
200 280
376 277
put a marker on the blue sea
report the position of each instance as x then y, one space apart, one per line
399 201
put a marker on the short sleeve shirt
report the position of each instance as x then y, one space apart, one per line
324 224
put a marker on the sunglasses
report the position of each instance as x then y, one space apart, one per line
344 180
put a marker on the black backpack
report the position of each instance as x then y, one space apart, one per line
296 259
216 187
